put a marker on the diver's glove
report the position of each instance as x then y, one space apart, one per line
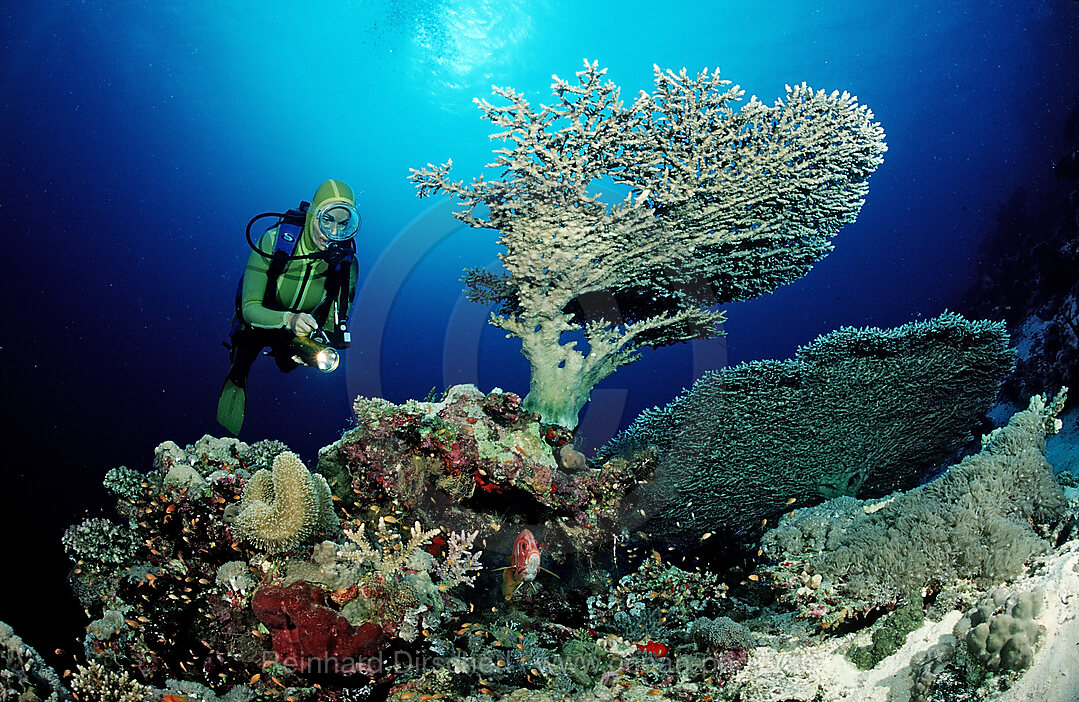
300 323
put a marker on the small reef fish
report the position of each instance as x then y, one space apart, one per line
657 649
524 564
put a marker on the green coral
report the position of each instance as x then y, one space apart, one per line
890 635
101 540
856 412
976 522
585 662
263 453
721 633
282 507
1001 632
124 482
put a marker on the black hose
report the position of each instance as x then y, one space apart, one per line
327 254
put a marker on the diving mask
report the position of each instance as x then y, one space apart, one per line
338 221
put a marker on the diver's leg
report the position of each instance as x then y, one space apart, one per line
282 356
243 357
232 403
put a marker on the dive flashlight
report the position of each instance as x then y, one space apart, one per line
315 352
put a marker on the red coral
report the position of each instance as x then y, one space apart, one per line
435 547
728 663
306 633
504 408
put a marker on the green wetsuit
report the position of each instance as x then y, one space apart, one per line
301 287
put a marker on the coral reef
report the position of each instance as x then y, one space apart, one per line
157 607
380 611
187 603
658 601
393 581
856 412
722 205
24 674
479 463
977 522
284 506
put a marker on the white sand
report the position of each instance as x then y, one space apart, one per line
804 672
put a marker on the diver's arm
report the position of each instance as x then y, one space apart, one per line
254 290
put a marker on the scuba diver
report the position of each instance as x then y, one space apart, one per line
295 295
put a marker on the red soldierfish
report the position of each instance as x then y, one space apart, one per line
525 564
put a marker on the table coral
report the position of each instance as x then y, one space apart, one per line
856 412
722 205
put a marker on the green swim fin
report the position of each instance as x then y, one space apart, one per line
231 406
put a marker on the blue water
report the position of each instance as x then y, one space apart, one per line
137 139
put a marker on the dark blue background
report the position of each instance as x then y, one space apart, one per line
136 139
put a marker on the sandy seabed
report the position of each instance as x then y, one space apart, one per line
822 673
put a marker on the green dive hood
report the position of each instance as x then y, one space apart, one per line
330 191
